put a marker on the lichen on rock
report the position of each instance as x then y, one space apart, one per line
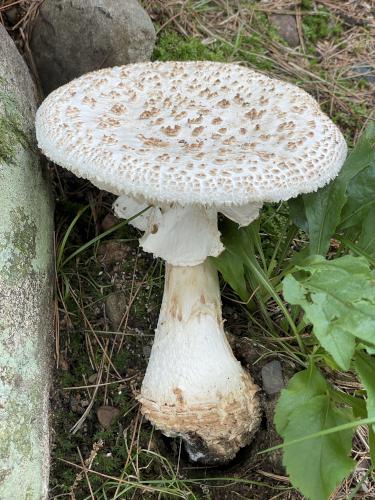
26 230
11 130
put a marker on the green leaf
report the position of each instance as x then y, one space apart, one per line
366 239
357 405
233 273
319 213
338 298
371 442
230 263
239 244
301 388
326 458
365 367
323 210
318 465
360 198
297 213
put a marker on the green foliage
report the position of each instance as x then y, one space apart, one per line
318 465
360 198
239 265
338 298
320 213
365 367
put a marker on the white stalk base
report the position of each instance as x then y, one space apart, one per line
194 387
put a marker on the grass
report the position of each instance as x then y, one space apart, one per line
106 364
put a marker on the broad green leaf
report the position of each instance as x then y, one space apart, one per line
233 273
338 298
365 367
319 213
366 239
357 405
301 388
360 198
318 465
297 213
323 210
230 263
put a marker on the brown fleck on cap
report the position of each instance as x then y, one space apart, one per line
191 132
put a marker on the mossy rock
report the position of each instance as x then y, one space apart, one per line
25 287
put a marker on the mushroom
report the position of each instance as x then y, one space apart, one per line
189 140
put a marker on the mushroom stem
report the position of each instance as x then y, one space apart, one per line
194 387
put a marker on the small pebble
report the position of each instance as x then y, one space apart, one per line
107 415
272 377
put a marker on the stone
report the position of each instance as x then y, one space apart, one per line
73 37
367 72
272 377
93 378
26 279
286 25
107 415
115 307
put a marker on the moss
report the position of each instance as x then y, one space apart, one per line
319 26
307 4
252 50
173 47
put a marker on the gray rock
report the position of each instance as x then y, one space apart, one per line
367 72
26 249
72 37
115 307
286 25
272 377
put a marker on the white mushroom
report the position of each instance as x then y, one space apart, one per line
192 139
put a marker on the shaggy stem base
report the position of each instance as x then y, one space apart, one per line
194 387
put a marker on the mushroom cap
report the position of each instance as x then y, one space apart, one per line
191 132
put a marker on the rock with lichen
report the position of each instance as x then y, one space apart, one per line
25 287
72 37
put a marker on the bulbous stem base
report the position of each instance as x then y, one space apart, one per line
194 387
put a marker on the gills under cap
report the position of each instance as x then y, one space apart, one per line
191 132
